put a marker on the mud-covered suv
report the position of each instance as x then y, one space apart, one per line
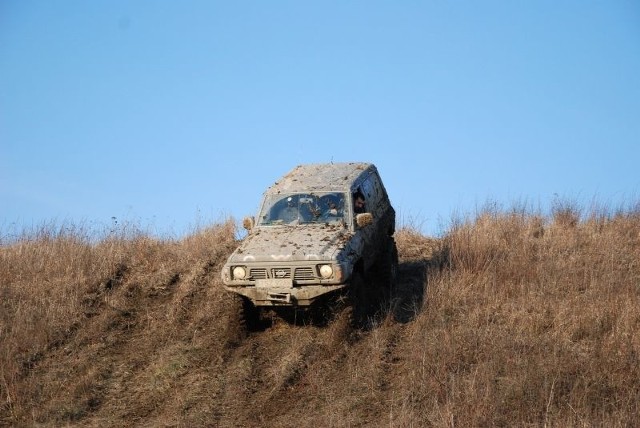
320 228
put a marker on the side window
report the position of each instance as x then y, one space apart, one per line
378 186
359 201
369 190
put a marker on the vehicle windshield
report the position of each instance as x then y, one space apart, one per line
302 208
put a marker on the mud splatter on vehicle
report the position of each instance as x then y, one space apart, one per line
321 229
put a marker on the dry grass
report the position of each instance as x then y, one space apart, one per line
531 323
512 318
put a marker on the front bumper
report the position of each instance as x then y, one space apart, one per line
285 296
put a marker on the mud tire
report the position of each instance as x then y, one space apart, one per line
244 317
251 314
362 300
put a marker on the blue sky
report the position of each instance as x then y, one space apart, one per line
171 114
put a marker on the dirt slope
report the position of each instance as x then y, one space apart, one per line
139 332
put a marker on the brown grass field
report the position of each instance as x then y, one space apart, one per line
509 319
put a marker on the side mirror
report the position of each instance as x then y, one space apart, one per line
364 219
248 223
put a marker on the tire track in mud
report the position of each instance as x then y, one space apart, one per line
287 368
289 372
267 374
166 347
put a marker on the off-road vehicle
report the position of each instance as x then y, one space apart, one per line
314 236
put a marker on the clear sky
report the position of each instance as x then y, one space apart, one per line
175 113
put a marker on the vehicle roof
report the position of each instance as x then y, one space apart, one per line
321 177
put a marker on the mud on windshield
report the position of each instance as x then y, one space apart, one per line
302 208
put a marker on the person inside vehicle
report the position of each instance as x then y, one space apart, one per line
290 213
358 203
329 204
333 209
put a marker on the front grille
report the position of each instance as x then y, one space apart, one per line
281 273
303 273
258 273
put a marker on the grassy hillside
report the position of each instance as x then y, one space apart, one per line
509 319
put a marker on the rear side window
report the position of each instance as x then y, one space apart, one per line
372 189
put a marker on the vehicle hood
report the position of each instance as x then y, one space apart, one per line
291 243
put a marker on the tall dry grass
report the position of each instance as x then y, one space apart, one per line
512 318
532 321
55 278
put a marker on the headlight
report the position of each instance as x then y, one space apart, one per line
326 271
239 272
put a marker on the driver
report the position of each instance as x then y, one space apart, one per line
290 212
